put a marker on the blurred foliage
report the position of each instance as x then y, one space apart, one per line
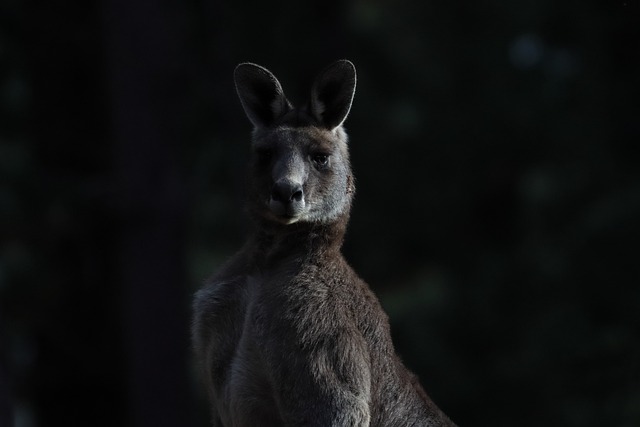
497 211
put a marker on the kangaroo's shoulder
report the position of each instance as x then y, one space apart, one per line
222 291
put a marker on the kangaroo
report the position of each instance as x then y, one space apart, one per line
286 333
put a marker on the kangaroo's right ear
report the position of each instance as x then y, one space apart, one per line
260 94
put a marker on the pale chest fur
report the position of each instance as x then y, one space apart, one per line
242 391
291 324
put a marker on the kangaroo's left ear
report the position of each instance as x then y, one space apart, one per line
332 93
260 94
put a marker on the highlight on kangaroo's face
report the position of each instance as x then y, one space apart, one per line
300 174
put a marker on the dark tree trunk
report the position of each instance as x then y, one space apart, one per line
147 75
6 408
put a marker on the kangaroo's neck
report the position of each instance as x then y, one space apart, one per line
273 243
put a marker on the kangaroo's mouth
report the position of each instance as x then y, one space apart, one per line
288 220
286 212
283 219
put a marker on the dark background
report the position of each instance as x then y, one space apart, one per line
497 214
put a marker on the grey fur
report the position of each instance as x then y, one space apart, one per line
286 333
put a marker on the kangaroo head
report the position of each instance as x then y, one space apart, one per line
300 169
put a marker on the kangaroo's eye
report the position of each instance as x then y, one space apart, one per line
320 160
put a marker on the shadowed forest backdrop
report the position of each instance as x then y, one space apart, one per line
497 214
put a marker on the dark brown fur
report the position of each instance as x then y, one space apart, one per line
287 333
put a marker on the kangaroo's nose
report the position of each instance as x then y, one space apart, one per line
286 192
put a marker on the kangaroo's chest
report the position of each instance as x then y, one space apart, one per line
245 394
274 316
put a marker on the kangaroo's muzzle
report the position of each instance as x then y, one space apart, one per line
287 200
